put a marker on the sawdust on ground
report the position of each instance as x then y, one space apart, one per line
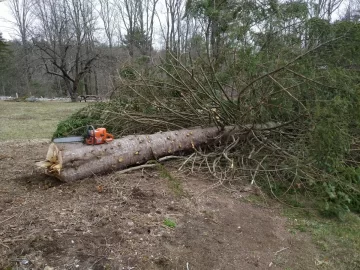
118 222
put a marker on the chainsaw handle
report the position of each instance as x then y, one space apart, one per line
88 131
109 137
89 128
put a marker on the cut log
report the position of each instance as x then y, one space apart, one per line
70 162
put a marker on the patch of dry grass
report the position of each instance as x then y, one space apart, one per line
33 120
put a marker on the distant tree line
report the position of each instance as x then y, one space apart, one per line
70 47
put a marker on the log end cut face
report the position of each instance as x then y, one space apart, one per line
53 163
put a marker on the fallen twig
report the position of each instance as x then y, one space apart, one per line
144 166
3 221
281 250
4 245
186 161
137 168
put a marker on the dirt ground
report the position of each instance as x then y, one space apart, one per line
117 222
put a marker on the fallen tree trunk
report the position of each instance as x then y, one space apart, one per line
70 162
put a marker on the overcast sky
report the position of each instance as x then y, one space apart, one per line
5 18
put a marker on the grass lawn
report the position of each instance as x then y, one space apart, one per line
338 240
33 120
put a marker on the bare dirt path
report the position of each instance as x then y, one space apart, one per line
118 222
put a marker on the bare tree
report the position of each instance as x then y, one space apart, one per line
21 12
150 6
138 20
108 14
174 14
66 28
129 12
323 9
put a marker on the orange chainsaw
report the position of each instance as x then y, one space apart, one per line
93 137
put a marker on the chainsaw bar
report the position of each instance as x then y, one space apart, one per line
68 139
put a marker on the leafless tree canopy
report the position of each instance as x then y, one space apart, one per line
81 45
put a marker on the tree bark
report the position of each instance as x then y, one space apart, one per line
70 162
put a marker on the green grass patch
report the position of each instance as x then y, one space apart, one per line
174 184
338 240
33 120
169 223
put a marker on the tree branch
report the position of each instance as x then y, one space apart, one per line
283 67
